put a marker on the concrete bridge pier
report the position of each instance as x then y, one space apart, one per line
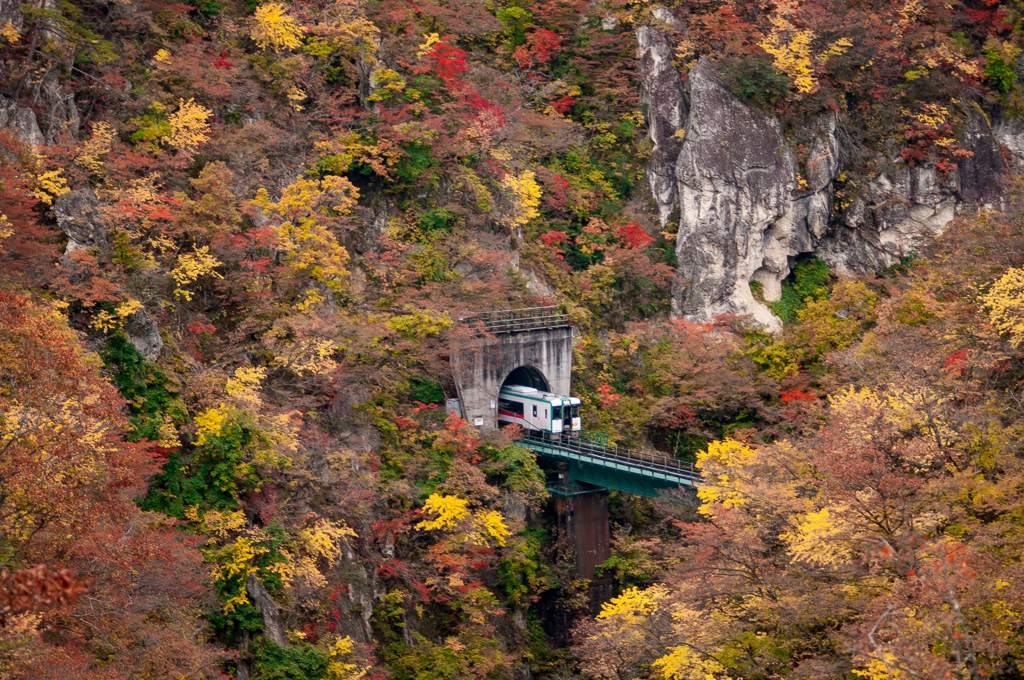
583 517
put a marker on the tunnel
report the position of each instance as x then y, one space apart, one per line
539 358
529 376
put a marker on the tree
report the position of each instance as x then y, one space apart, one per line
308 209
274 28
63 455
67 498
1004 305
35 588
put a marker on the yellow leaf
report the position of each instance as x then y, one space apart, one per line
273 28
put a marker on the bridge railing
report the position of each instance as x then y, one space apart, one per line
617 453
525 319
595 438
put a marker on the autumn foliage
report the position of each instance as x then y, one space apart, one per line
234 262
35 588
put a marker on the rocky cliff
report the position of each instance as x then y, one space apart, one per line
747 207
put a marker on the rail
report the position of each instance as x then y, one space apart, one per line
619 455
525 319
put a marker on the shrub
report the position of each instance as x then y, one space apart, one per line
145 386
773 356
835 323
425 391
1004 305
1000 66
301 662
438 219
419 323
756 80
809 281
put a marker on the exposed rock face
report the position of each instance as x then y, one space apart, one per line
77 217
914 202
746 209
734 177
144 335
538 287
21 121
57 107
810 213
273 626
10 12
876 232
368 69
342 412
1010 134
363 590
662 93
60 112
979 176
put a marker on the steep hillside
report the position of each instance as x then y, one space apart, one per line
239 239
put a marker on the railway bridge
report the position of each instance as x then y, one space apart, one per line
534 347
581 495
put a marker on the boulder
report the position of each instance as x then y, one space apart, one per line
144 334
77 217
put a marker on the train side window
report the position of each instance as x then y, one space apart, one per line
545 414
510 407
534 410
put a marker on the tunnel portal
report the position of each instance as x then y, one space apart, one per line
530 347
528 376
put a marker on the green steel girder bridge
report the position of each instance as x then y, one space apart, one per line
593 461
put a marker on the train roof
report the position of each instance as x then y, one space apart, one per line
519 389
535 394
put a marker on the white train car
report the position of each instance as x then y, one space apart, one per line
538 411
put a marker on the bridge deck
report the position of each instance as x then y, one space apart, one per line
615 467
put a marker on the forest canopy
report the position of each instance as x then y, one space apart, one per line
240 239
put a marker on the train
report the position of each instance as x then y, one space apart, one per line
537 411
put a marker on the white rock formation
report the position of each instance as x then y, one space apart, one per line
744 213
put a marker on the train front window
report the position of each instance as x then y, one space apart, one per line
575 410
556 412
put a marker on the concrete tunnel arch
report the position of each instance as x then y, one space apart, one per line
540 358
528 376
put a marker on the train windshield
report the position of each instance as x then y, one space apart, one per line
575 410
556 412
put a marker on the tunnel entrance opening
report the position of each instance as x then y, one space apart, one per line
528 376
